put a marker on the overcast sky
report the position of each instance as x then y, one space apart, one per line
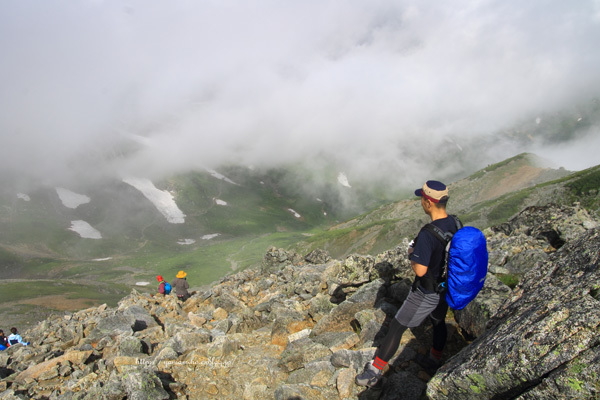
148 87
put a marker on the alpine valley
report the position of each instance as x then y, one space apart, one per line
292 289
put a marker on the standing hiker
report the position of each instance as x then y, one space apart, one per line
181 286
427 257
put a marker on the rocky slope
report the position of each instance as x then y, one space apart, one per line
301 328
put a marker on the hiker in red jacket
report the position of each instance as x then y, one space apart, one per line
161 284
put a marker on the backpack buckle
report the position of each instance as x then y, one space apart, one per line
441 287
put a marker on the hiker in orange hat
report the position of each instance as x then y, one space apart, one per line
181 286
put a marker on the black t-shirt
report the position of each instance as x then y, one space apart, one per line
430 251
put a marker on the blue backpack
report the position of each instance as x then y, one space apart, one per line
466 263
167 288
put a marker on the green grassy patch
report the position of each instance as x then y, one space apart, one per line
467 218
25 302
205 264
507 206
345 236
586 186
15 291
510 280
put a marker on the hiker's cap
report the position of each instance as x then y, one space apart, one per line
181 274
159 278
433 190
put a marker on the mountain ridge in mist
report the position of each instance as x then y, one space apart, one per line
247 221
486 197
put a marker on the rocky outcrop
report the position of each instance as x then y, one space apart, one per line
543 342
302 327
517 246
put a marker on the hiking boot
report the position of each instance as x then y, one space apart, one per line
428 363
370 377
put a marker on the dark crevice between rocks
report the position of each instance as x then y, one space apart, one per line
524 387
95 356
173 388
504 228
139 325
341 292
5 372
552 237
355 326
159 322
595 292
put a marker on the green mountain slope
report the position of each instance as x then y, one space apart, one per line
487 197
230 221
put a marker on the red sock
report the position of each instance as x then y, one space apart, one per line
379 363
437 354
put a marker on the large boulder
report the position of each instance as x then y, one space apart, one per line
276 258
543 342
342 317
317 256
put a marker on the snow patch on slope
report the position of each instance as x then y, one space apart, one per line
294 213
343 180
23 196
71 199
162 199
85 230
219 176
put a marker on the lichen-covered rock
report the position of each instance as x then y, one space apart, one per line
340 318
542 340
111 326
301 352
371 324
474 317
316 373
300 391
143 384
276 258
317 256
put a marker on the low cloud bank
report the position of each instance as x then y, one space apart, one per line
381 90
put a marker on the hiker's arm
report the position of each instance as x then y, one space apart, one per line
419 269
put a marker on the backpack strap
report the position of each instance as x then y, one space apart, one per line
443 237
457 221
446 239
